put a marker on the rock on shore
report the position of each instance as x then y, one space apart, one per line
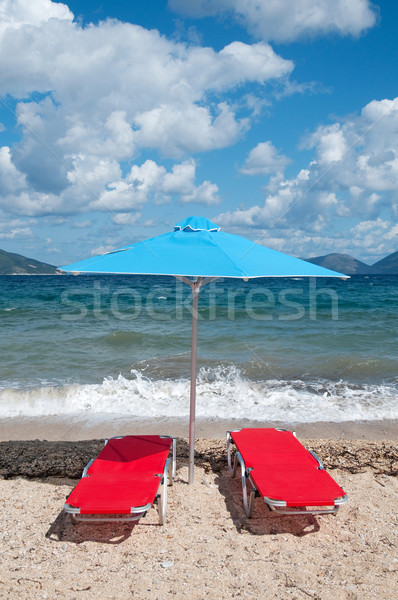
40 459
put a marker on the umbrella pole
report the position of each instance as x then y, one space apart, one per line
195 299
195 286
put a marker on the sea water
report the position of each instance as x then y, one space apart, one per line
292 350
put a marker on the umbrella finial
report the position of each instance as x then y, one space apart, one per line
196 224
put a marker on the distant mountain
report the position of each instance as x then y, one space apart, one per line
342 263
15 264
387 265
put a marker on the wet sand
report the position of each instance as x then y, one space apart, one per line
107 425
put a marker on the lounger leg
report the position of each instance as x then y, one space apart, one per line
235 467
251 503
162 503
244 491
173 473
229 450
170 474
162 496
247 505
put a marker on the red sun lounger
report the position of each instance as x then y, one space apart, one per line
128 476
289 478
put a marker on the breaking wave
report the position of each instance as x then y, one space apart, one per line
222 392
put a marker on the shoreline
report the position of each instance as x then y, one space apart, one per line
78 427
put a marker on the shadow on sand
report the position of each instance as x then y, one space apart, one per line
264 521
63 529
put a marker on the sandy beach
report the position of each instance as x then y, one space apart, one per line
208 548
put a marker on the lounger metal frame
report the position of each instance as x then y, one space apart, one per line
136 512
278 506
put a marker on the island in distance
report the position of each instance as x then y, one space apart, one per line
16 264
344 263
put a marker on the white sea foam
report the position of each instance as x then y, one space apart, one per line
221 392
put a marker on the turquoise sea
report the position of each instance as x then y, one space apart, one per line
296 350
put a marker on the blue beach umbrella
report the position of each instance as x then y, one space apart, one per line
197 252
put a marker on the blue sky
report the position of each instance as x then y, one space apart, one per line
276 119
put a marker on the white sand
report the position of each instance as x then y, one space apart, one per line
208 548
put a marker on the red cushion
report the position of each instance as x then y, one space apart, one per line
124 475
270 446
132 454
96 495
282 469
297 487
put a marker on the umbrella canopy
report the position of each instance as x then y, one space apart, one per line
197 248
197 252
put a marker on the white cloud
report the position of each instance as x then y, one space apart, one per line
16 233
14 191
82 224
180 179
393 233
374 238
102 250
10 179
263 160
126 218
368 241
151 181
354 176
330 142
361 152
16 13
89 175
206 193
97 184
286 20
15 229
191 128
105 93
54 220
117 138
